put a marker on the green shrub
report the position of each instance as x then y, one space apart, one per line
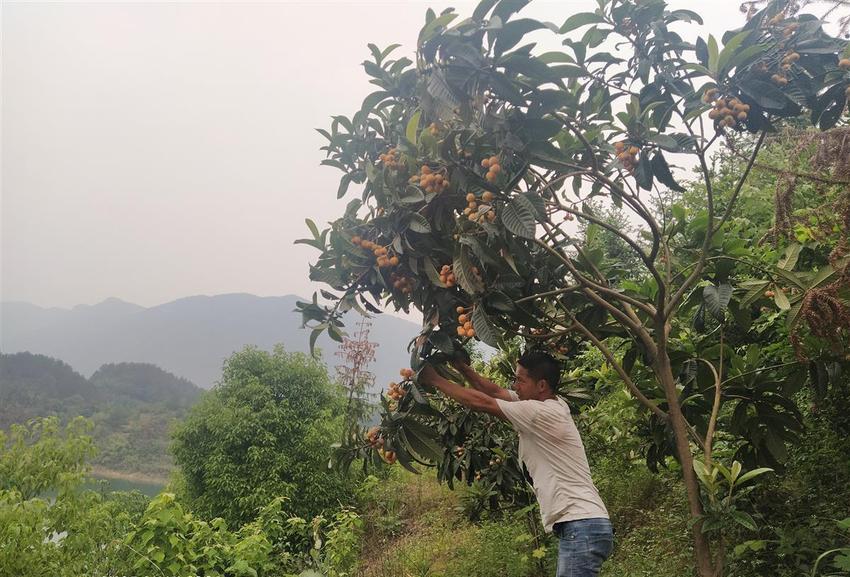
262 433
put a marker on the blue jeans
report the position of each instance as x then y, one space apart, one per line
584 545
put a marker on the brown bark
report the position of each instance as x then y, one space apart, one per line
702 549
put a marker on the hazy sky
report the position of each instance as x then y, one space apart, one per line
152 151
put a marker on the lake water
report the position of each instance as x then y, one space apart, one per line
149 489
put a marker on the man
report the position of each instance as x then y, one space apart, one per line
551 448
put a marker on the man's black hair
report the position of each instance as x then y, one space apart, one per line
542 365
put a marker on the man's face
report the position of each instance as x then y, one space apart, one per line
526 387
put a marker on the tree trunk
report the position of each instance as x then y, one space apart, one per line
702 550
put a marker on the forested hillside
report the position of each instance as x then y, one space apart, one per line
132 406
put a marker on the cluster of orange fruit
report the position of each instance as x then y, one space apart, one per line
391 158
493 168
459 451
464 322
626 154
388 456
727 111
407 373
789 59
374 438
790 29
429 180
495 461
473 213
433 129
447 277
381 253
402 282
396 391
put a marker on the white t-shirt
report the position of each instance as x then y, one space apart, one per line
551 448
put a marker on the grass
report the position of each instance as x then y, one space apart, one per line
414 527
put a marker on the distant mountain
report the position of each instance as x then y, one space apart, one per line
190 337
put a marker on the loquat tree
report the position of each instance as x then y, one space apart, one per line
476 161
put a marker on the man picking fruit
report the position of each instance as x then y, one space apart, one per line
553 453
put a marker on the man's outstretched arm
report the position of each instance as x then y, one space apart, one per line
486 386
471 398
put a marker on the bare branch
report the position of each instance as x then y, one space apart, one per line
606 352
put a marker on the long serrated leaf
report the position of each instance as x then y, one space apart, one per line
789 259
424 438
661 170
793 278
825 275
518 217
754 294
419 223
484 328
462 268
643 172
717 298
781 299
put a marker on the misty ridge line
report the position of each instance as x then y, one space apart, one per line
190 337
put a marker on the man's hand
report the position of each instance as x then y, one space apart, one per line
461 360
475 400
478 382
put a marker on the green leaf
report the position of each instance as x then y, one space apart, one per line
701 50
314 336
430 29
793 315
781 299
419 223
736 470
745 520
764 94
482 9
825 275
661 170
717 299
413 127
579 20
512 32
752 474
411 195
422 440
484 328
462 268
313 228
789 259
643 172
729 50
713 54
343 185
518 217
